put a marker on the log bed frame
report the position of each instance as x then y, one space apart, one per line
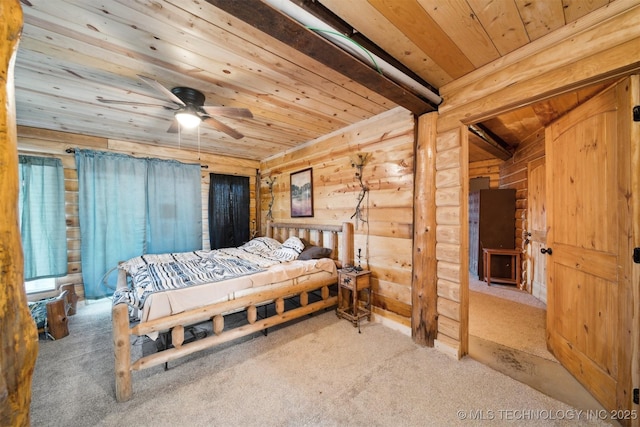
325 235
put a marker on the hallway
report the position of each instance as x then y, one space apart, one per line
507 333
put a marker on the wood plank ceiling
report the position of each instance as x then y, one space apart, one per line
246 54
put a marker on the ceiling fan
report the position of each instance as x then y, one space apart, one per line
189 108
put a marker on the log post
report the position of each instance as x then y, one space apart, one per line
218 324
122 351
424 284
346 251
18 334
177 336
280 305
252 314
57 316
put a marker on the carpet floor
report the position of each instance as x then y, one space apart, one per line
508 316
315 372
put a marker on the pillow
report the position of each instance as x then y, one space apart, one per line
262 244
290 249
315 252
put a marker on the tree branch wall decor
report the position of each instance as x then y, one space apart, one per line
358 161
270 181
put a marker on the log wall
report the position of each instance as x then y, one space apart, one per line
513 174
486 168
40 142
385 240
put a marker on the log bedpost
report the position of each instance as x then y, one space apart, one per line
122 345
346 251
18 334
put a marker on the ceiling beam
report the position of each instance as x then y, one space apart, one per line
281 27
491 143
318 10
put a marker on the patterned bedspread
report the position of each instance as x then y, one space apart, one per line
163 272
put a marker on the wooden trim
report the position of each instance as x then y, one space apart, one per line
635 213
464 242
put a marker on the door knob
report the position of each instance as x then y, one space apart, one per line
547 251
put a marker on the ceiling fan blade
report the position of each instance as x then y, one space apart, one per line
139 104
174 126
241 113
166 92
222 127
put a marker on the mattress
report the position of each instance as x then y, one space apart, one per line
176 301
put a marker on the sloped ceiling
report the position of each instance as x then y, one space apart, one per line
247 54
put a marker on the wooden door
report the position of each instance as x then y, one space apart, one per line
229 205
589 298
537 229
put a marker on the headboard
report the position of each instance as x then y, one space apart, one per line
338 238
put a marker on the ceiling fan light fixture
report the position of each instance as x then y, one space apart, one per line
188 118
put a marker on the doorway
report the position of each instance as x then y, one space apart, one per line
587 278
229 199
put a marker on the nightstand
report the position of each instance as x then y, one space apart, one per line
350 284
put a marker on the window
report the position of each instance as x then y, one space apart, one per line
40 285
42 217
131 206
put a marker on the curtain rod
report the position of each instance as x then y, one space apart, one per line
73 150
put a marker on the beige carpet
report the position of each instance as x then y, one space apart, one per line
508 316
316 372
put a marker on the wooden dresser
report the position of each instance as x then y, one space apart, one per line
491 225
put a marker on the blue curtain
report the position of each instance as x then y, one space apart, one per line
175 207
121 206
42 217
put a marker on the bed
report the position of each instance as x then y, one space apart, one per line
171 311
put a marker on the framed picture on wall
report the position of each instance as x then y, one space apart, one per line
302 193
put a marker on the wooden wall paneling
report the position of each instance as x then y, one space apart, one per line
448 233
486 168
385 241
410 17
494 16
449 290
451 177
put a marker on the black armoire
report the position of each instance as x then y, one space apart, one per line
491 225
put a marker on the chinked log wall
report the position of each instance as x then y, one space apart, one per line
40 142
386 240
